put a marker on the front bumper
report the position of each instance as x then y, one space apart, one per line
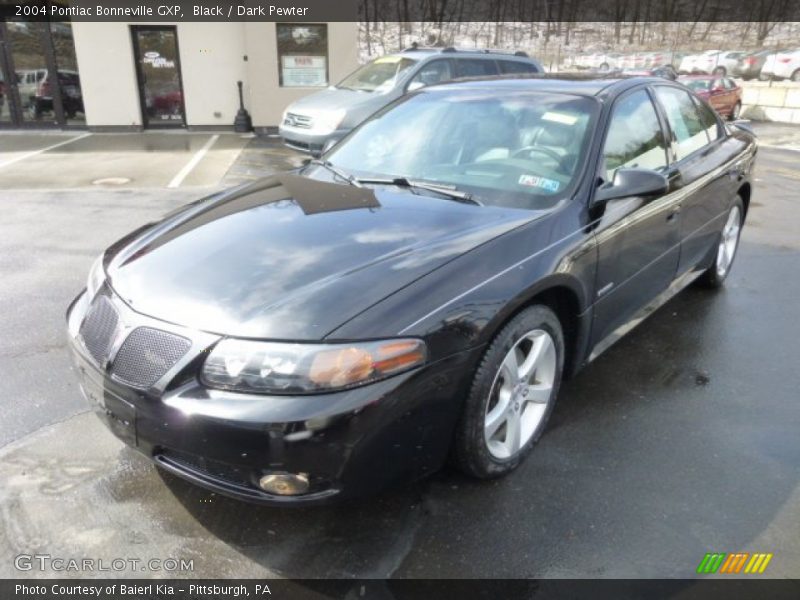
348 443
306 140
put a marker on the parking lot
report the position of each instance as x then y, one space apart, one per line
682 439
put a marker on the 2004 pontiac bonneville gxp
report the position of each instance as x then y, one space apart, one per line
417 293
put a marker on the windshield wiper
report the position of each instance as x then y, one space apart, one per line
445 190
336 171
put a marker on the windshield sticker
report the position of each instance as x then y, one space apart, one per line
388 59
557 117
550 185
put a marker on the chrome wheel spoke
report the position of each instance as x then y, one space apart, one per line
498 415
540 346
513 433
539 393
510 368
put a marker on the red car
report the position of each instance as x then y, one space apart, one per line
722 93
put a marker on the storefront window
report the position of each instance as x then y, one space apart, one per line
68 78
302 55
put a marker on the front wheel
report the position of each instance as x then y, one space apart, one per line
796 75
726 249
720 71
512 395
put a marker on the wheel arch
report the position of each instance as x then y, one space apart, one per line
565 297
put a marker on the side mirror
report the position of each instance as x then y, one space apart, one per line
415 85
629 183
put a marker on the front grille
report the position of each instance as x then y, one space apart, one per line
207 467
98 328
299 121
146 355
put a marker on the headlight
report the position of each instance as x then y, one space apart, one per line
281 368
326 121
96 277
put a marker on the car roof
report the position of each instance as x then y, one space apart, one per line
570 83
451 52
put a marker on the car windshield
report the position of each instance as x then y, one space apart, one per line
378 75
697 84
521 149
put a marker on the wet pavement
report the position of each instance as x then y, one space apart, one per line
30 161
682 439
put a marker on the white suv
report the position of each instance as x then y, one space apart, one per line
783 65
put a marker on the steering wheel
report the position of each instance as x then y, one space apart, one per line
542 150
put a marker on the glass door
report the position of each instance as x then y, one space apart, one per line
159 75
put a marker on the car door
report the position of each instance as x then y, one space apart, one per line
638 238
698 153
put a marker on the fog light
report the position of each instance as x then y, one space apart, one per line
284 484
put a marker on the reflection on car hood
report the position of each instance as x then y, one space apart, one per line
330 99
260 262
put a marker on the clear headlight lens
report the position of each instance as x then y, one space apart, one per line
281 368
326 121
96 277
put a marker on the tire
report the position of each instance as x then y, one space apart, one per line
796 75
715 275
484 445
720 71
735 111
604 67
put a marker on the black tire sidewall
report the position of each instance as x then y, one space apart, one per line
471 452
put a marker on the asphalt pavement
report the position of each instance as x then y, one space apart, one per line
682 439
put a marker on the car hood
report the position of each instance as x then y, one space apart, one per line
331 99
293 258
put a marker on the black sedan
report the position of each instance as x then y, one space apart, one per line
415 295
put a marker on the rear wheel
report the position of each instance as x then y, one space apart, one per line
726 249
796 75
512 395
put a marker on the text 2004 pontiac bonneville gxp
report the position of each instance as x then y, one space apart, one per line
416 294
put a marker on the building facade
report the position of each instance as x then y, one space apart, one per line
130 76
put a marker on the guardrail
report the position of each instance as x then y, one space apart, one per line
778 101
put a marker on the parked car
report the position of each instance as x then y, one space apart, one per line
417 293
722 93
749 65
666 72
311 122
71 95
782 65
717 62
28 81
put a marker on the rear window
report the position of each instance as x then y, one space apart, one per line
509 67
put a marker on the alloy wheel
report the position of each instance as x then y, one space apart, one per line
729 241
520 394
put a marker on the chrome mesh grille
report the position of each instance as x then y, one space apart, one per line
146 355
98 328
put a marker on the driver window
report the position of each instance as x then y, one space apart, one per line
432 73
635 138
